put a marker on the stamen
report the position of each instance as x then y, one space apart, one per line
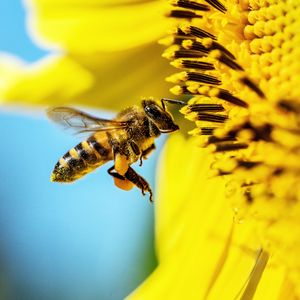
179 31
178 40
247 164
257 133
227 96
289 106
249 197
201 77
278 171
211 118
263 133
230 146
227 60
205 107
216 4
217 46
194 64
194 45
188 54
223 173
214 139
191 5
206 46
200 33
207 130
251 85
183 14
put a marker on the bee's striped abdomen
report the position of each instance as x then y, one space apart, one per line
82 159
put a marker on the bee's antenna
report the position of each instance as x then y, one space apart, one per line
173 101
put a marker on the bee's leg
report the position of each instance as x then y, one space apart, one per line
146 152
172 101
138 181
120 181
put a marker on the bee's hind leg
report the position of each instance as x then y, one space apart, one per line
120 181
138 181
129 180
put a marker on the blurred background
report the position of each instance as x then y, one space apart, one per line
88 240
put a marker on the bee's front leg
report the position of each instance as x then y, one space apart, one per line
145 153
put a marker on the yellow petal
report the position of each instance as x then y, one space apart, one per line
87 26
123 78
204 251
9 68
106 80
52 79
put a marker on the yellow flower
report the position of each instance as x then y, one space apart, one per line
102 53
228 216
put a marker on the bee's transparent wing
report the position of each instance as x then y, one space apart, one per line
81 122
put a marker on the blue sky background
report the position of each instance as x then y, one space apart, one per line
88 240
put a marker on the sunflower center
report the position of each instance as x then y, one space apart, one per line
239 67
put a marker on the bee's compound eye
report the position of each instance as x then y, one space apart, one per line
152 111
161 118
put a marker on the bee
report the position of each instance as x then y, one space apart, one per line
125 139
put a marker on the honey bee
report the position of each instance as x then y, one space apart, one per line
125 140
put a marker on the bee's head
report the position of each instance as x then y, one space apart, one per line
160 117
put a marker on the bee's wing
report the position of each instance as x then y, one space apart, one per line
80 122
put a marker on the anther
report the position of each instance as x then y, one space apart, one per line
230 146
207 45
248 196
227 96
178 40
217 46
207 130
205 107
221 57
289 106
180 32
195 45
213 139
191 5
247 164
195 64
183 14
204 78
200 33
251 85
188 54
217 4
211 118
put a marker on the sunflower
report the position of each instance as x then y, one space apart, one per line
227 207
232 231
